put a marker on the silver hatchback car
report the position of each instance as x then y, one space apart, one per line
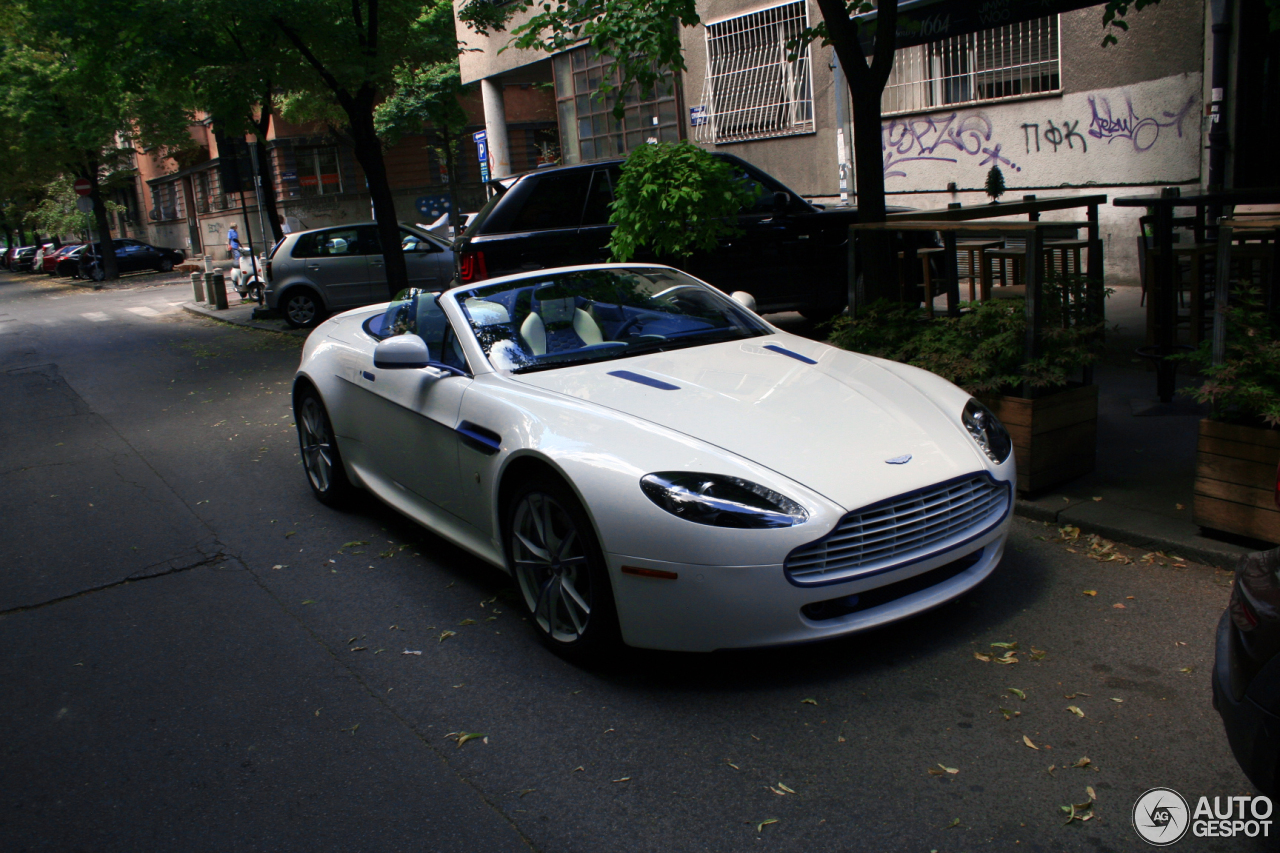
313 273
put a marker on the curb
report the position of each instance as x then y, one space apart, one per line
202 310
1140 529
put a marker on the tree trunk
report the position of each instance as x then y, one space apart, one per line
449 146
8 235
22 237
878 258
368 150
107 258
262 124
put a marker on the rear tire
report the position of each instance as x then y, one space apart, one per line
321 459
302 308
555 558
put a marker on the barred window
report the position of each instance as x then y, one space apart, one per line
166 201
752 91
1005 62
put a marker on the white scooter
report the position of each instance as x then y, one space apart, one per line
245 282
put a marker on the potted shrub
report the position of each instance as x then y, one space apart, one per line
1238 451
1052 418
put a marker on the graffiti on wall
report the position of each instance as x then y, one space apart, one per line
942 139
1142 132
1067 135
1159 141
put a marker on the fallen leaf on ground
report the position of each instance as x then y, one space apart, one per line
775 790
1115 699
1038 654
1007 658
1082 763
623 779
463 737
1009 715
785 788
444 635
352 729
1006 646
278 566
762 824
731 764
309 601
467 622
1089 790
1016 692
984 658
353 544
1185 669
1090 592
1097 499
808 701
1028 742
411 652
1073 709
954 823
1117 606
1074 695
578 768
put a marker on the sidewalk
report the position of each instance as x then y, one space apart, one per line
239 313
1141 490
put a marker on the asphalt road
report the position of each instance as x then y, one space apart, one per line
198 656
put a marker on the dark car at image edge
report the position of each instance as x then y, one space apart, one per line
790 254
1246 669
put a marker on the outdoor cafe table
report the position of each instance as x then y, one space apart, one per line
1164 293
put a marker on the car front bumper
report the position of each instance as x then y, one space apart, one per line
705 608
1252 731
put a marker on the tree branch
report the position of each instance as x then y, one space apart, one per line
359 22
339 91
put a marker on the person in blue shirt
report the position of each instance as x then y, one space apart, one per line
233 243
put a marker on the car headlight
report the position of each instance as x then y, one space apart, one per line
721 501
986 429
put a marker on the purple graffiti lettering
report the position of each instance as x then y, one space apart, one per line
994 156
937 138
1141 132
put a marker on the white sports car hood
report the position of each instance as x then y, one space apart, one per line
779 401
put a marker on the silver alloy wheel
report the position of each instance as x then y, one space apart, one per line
551 566
300 309
317 445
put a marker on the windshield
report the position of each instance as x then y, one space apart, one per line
598 315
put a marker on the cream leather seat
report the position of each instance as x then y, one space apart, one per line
559 326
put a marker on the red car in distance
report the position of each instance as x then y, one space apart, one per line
51 258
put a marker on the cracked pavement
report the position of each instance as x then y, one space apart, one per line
198 656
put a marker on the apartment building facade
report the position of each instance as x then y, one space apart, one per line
1026 86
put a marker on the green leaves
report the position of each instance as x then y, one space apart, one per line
674 198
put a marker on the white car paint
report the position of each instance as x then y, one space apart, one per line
818 433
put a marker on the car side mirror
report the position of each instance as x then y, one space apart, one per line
746 300
403 352
781 202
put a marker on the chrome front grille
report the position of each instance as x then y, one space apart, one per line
901 530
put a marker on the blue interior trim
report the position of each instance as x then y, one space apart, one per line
369 376
644 380
784 351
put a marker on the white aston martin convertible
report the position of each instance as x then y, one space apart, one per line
653 462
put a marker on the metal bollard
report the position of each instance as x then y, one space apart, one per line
197 286
220 290
216 290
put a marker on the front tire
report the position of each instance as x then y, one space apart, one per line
558 566
320 456
302 309
166 265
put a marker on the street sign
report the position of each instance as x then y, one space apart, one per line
84 204
482 151
81 186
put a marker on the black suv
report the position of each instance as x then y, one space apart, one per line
791 255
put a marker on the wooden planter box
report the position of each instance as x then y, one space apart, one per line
1236 480
1054 437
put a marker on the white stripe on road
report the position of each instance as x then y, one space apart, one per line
96 316
144 311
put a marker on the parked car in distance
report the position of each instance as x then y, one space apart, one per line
1246 669
655 463
313 273
131 256
791 255
68 264
52 258
24 258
